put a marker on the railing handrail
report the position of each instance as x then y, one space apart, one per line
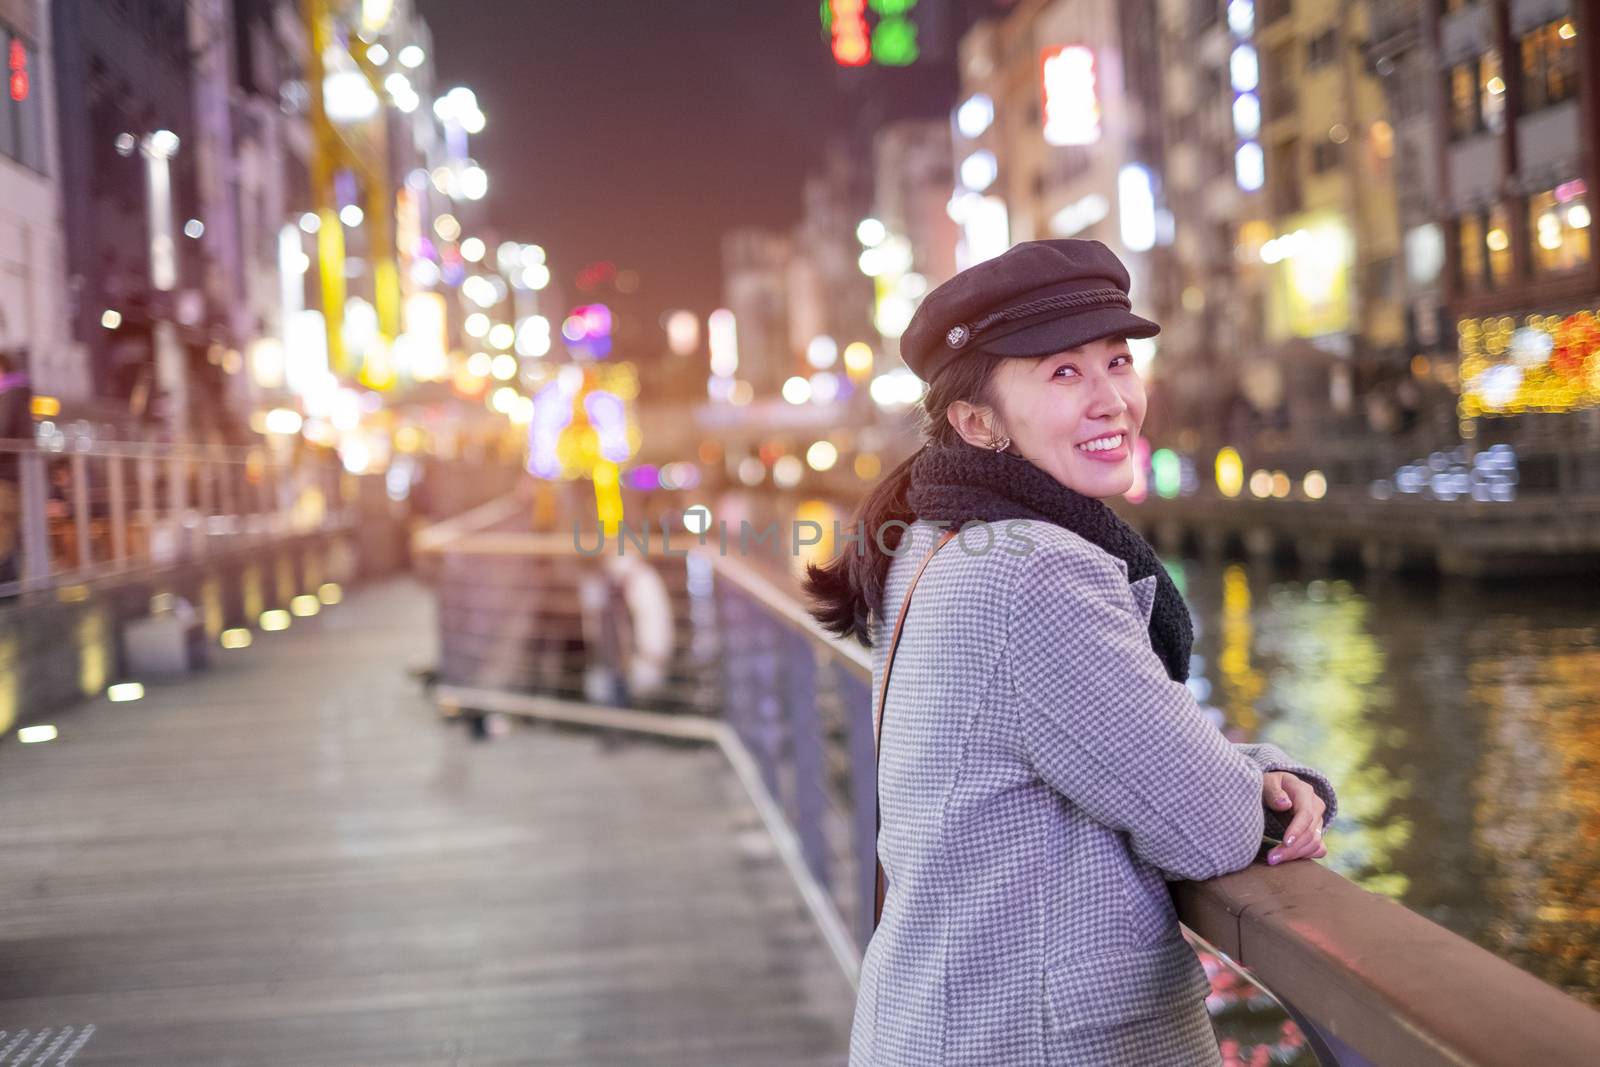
467 534
466 528
133 450
129 505
1393 985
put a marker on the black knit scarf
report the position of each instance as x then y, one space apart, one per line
962 483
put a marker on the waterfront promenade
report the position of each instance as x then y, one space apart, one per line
290 859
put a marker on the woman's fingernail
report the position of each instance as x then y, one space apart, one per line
1289 840
1274 857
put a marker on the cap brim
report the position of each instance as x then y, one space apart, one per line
1052 335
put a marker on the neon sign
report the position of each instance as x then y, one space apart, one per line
1244 72
588 330
17 64
1071 104
892 42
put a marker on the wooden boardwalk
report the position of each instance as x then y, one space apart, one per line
290 860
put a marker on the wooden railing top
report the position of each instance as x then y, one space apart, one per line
782 604
466 532
1393 985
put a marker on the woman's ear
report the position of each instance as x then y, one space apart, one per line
976 425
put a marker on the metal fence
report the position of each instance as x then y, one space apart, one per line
88 512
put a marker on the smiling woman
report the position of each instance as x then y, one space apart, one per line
1043 770
1075 415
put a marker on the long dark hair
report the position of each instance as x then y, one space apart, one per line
848 591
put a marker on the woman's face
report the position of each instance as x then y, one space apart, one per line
1057 407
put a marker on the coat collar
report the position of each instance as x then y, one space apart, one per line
1144 595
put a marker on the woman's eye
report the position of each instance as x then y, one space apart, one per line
1064 367
1126 357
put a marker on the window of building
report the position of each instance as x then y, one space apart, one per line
1062 165
1498 241
1549 64
1491 92
1471 251
1277 82
1483 249
1477 95
1380 278
1283 177
1463 93
8 117
1323 48
21 103
1324 157
1558 222
1405 92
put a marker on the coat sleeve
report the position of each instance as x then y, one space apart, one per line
1103 724
1273 758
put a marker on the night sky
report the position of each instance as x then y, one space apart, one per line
638 131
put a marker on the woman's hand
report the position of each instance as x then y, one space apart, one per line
1282 791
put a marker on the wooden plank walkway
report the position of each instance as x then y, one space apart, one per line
290 860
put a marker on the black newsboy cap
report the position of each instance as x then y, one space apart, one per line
1036 299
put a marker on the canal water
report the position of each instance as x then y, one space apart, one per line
1459 722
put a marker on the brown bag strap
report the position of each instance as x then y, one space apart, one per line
883 696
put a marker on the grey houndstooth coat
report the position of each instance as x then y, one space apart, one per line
1041 779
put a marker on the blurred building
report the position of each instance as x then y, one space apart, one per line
755 285
1332 253
908 245
1401 52
252 149
1285 297
129 179
830 300
1518 122
1057 131
1212 311
912 175
33 298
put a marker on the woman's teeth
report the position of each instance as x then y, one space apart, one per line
1102 444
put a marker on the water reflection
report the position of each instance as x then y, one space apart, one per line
1462 725
1537 799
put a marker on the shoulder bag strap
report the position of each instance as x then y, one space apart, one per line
883 696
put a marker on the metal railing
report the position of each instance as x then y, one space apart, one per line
84 513
1368 981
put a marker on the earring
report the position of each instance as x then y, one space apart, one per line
1002 444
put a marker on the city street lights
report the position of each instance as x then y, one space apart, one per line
457 110
158 148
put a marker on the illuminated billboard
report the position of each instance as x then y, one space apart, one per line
1070 99
1536 363
1312 260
